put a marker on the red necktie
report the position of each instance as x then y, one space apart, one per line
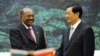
30 33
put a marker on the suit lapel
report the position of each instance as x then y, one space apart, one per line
24 32
36 33
66 35
74 35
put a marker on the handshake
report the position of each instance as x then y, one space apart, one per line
42 52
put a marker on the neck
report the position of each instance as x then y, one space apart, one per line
75 21
25 24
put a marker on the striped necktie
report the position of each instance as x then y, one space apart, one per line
71 32
30 34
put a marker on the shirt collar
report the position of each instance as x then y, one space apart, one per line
76 24
26 25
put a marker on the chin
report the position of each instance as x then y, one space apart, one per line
68 21
29 25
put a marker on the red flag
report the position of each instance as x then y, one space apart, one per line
45 52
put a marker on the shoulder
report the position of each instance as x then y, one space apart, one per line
86 27
15 28
37 27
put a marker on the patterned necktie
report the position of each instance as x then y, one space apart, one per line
30 33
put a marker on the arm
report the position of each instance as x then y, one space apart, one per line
43 40
88 42
16 40
59 52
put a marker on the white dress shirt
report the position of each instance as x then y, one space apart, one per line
73 27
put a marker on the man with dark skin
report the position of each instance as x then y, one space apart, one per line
26 35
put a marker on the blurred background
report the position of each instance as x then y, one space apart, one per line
49 14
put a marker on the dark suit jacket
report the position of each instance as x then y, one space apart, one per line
81 43
20 38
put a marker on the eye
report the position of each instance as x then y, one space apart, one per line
30 16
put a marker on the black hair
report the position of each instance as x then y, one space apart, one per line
77 8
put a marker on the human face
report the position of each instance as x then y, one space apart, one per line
27 17
71 17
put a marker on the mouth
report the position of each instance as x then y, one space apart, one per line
67 19
30 21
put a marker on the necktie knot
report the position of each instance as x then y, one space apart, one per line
29 29
72 27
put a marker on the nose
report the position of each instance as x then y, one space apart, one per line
31 17
66 15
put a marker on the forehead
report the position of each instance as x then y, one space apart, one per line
27 11
69 9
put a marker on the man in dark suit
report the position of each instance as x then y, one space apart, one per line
78 39
27 36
